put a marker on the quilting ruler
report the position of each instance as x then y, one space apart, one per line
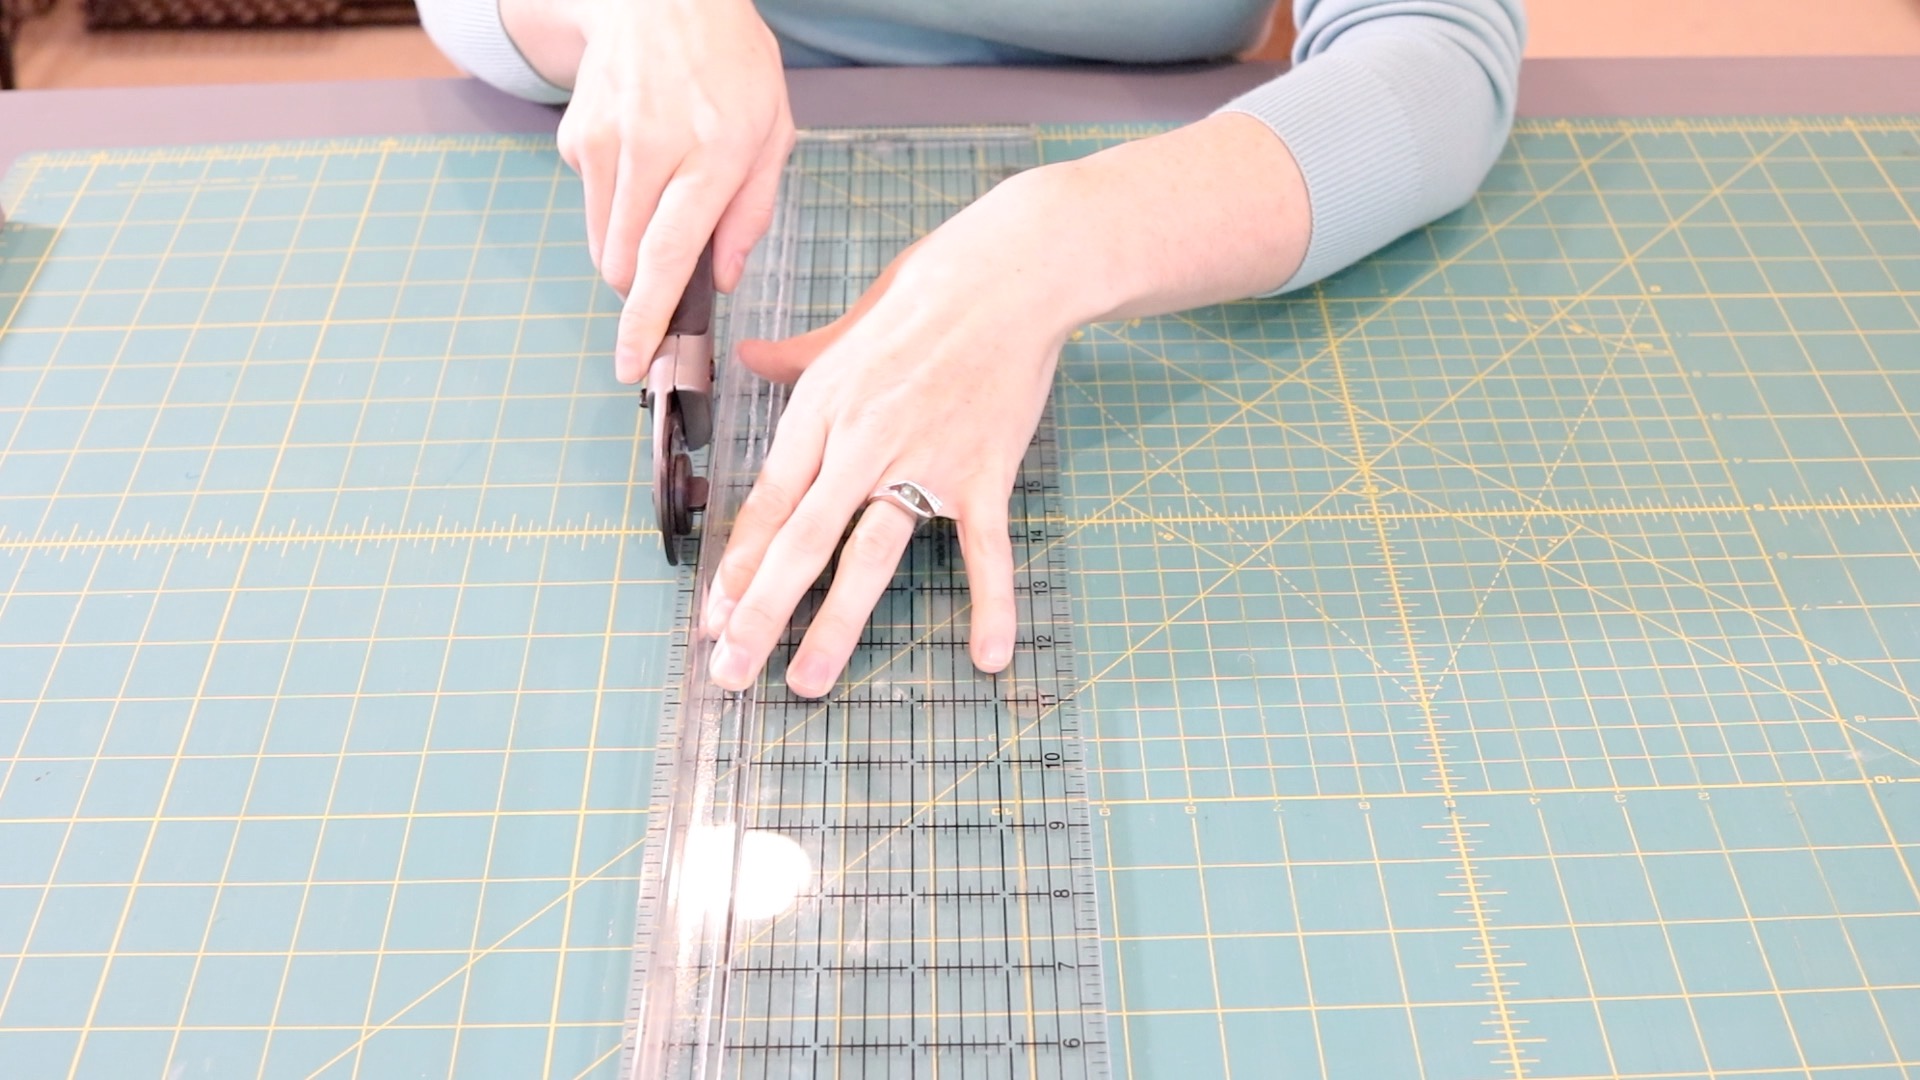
896 880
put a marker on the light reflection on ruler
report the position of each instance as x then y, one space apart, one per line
947 922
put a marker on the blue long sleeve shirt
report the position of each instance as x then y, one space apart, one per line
1395 110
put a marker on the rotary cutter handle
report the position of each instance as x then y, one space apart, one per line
679 394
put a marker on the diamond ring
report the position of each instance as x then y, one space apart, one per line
909 496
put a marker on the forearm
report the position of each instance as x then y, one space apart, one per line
1379 129
1205 213
552 34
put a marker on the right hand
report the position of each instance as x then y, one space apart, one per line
679 129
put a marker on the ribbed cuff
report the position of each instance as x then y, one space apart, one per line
471 34
1349 132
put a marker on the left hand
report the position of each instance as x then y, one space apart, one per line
938 374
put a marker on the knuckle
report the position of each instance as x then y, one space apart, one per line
619 253
600 135
645 142
636 313
993 597
870 413
735 577
672 239
584 138
616 259
756 216
617 269
729 142
990 579
812 531
635 321
870 548
769 501
752 625
836 629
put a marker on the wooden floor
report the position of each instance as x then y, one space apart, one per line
57 50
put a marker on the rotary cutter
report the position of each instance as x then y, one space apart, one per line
679 395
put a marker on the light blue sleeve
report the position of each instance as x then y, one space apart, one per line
470 34
1395 110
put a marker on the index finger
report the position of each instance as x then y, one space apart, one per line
798 551
678 237
791 464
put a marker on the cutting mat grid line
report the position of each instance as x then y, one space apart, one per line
1500 660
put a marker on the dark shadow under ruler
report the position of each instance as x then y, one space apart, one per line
897 880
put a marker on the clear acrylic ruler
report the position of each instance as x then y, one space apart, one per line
898 880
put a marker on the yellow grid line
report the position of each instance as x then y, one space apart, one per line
1529 514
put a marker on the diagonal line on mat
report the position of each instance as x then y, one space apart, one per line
482 954
1526 526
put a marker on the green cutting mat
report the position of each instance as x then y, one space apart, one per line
1499 657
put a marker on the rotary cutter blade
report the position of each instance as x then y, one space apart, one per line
679 394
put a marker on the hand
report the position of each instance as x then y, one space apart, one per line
938 374
679 128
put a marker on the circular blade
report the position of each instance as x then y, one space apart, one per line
668 516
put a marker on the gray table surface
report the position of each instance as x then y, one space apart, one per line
84 119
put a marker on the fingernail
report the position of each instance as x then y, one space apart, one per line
736 266
728 666
809 677
994 655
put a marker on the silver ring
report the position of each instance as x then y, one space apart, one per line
911 497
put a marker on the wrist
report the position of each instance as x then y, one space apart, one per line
1028 247
1070 210
1206 213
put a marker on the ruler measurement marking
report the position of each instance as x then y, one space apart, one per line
1370 490
957 866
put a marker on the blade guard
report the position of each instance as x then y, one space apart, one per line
679 392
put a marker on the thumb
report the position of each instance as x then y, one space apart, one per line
786 360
